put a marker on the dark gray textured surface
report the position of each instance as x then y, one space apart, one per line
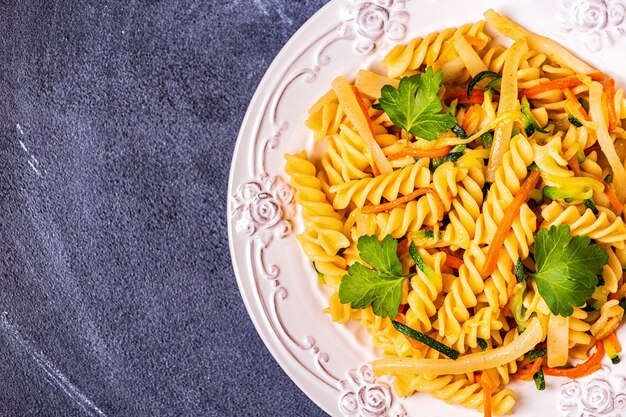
117 123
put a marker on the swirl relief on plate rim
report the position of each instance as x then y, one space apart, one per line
598 23
600 395
374 21
362 396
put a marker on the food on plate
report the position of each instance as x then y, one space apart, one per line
467 209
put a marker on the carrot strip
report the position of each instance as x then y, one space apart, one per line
528 373
460 94
571 97
510 286
403 247
375 169
506 309
507 221
558 84
597 76
420 153
485 383
359 99
405 199
453 262
613 199
573 163
610 101
468 115
589 366
610 193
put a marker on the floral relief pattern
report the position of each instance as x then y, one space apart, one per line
598 22
261 205
361 396
376 20
600 396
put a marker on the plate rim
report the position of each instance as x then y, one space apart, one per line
256 315
257 98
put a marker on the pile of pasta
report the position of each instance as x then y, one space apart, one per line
454 226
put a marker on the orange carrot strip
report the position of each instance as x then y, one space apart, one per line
375 169
507 221
453 262
573 163
409 197
506 309
610 192
591 365
468 114
460 94
403 247
403 244
420 153
558 84
485 383
571 97
597 76
359 99
528 373
510 286
610 101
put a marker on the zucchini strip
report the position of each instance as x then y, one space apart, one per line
426 340
540 381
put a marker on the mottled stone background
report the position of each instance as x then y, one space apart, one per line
118 120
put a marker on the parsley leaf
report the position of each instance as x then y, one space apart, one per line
415 105
380 287
567 268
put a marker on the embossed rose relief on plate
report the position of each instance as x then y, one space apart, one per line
601 395
362 396
598 23
376 20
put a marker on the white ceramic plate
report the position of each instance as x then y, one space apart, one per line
278 284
